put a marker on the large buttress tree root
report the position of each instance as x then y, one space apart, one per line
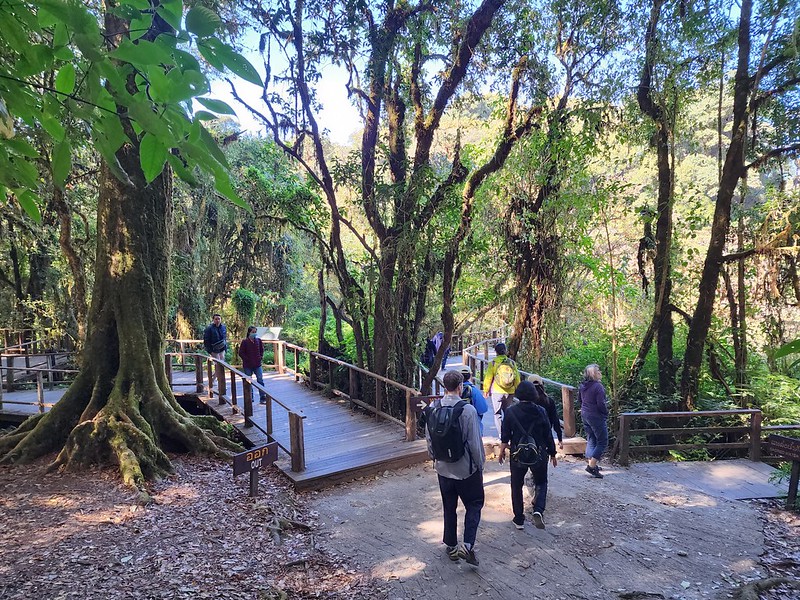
120 409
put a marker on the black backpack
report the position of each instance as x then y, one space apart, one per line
444 428
528 452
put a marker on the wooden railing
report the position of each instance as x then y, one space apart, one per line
471 355
218 373
49 376
750 428
12 373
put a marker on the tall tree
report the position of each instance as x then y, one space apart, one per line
124 75
762 80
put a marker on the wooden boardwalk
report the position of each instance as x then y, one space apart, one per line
341 444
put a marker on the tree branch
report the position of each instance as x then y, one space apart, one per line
774 153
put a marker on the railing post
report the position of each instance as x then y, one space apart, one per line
486 351
352 386
209 371
182 347
296 364
168 367
312 367
1 383
624 439
280 351
10 374
568 395
233 390
268 409
198 373
51 360
222 387
411 418
40 390
330 377
247 393
755 435
296 442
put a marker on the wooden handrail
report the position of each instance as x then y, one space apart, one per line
296 449
568 392
626 431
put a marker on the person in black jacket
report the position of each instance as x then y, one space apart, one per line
546 402
522 418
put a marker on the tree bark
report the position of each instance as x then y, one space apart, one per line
732 171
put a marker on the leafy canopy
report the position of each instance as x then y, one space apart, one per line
64 75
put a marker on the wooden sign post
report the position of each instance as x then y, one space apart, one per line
252 460
788 448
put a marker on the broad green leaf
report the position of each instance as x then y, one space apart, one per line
208 51
140 25
149 121
222 184
240 65
152 156
64 53
142 53
182 171
89 46
65 80
27 200
13 34
788 348
187 84
171 11
203 115
52 126
60 35
62 163
212 147
202 21
22 147
218 106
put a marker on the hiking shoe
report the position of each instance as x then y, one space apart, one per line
468 555
453 553
594 472
518 525
262 401
538 520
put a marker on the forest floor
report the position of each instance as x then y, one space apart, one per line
83 536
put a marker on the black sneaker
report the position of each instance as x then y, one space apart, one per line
518 525
594 472
262 401
538 520
468 555
453 553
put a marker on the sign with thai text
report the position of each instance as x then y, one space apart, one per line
784 446
255 458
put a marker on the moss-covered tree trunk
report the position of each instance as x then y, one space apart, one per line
120 409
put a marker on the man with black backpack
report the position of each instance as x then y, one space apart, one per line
454 443
526 429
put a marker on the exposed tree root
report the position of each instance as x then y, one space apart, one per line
752 590
127 425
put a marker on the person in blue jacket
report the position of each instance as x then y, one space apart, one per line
472 393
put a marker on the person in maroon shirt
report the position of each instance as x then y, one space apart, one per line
251 351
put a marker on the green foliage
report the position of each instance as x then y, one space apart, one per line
244 303
139 92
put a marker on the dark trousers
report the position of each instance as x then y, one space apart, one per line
518 473
470 490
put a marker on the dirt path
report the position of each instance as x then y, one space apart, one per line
630 535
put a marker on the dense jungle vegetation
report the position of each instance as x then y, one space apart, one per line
620 182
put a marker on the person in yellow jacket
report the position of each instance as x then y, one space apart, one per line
499 382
